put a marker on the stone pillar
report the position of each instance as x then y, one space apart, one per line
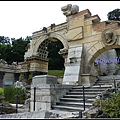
102 66
111 66
64 54
87 79
43 92
72 70
8 79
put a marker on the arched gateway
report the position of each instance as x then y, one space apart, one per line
84 39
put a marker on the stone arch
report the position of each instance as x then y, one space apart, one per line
96 50
51 36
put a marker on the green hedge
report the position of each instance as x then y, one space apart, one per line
1 91
57 73
10 93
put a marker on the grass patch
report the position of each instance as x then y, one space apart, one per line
57 73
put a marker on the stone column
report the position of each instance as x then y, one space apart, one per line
111 66
102 66
64 54
8 79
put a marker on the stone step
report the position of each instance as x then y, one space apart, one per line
73 104
100 83
105 82
78 96
94 87
80 87
86 93
67 108
107 78
87 90
101 86
73 100
77 100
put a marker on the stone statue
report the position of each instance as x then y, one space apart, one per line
70 10
109 37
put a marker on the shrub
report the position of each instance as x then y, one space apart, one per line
111 106
1 91
57 73
10 93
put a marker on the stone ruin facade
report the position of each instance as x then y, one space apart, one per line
84 37
89 52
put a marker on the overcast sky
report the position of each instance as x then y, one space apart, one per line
22 18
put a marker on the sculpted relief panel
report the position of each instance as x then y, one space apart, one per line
109 37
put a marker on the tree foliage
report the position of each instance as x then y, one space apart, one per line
13 51
114 15
4 40
56 61
10 93
19 49
111 106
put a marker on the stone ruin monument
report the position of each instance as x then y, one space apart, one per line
89 52
85 39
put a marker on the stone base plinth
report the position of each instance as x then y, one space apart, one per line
44 79
87 79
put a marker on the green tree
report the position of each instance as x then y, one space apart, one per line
114 15
4 40
5 52
111 106
19 49
15 51
56 61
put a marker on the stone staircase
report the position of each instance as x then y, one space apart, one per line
108 80
73 100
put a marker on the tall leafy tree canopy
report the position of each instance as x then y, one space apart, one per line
56 61
19 49
13 51
114 15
